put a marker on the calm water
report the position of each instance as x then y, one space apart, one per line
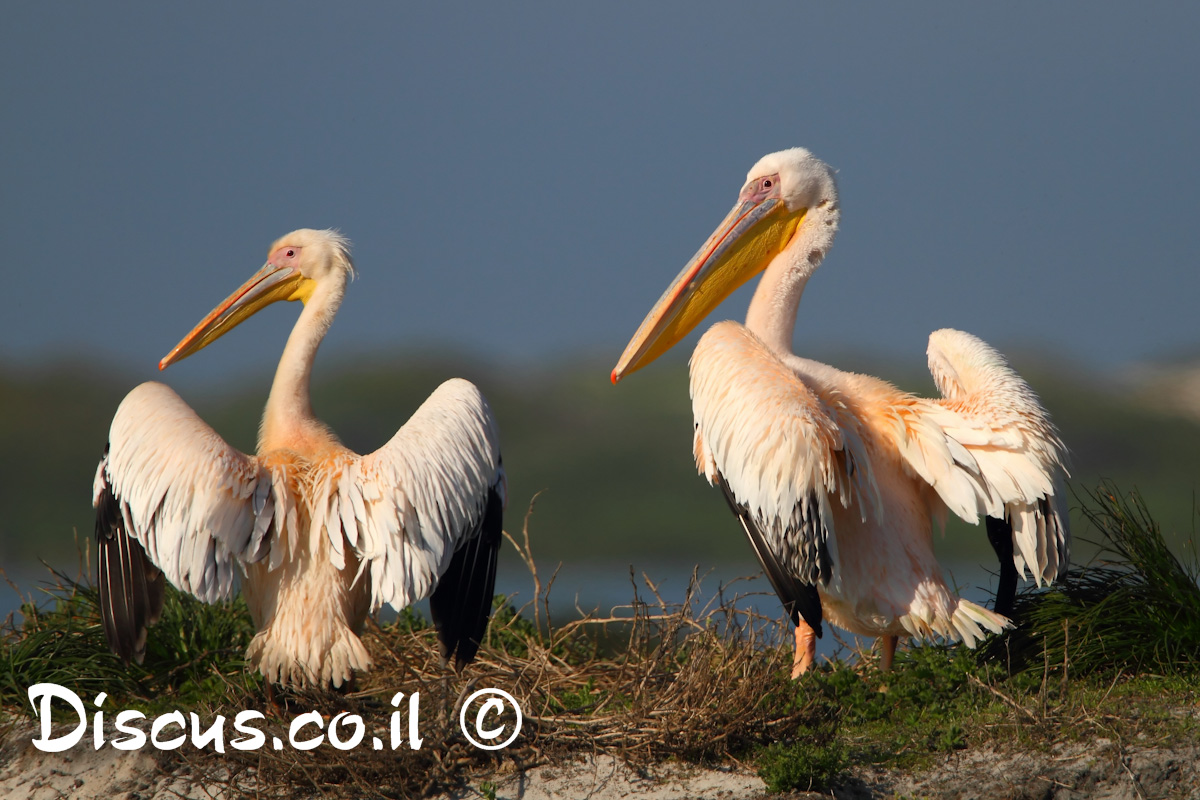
607 587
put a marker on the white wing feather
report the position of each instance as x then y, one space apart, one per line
993 415
193 502
782 453
407 507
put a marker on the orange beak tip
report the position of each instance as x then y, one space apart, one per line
614 377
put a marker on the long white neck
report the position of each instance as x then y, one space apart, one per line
772 313
289 417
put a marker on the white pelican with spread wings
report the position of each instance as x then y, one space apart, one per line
320 535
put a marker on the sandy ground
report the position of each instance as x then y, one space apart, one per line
1100 769
606 778
1097 769
110 774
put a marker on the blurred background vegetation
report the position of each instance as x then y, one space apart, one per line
613 464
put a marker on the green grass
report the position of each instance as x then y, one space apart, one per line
194 656
814 766
1134 609
939 700
923 708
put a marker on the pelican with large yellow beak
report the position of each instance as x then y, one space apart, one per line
837 477
321 536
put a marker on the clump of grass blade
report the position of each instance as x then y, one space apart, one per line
811 766
1136 608
193 656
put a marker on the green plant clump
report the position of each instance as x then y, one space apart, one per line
194 656
810 766
1136 609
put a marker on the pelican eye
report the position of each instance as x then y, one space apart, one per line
759 189
291 253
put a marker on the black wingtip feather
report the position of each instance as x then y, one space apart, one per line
132 589
461 605
800 600
1000 534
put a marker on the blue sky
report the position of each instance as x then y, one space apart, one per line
521 181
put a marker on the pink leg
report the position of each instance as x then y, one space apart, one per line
889 652
806 649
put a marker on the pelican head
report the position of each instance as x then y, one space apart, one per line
772 219
297 264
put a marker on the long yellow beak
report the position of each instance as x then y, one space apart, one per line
742 246
268 285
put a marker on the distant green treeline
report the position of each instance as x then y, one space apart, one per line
614 463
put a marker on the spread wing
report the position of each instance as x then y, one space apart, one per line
426 506
782 455
1010 454
462 602
172 499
